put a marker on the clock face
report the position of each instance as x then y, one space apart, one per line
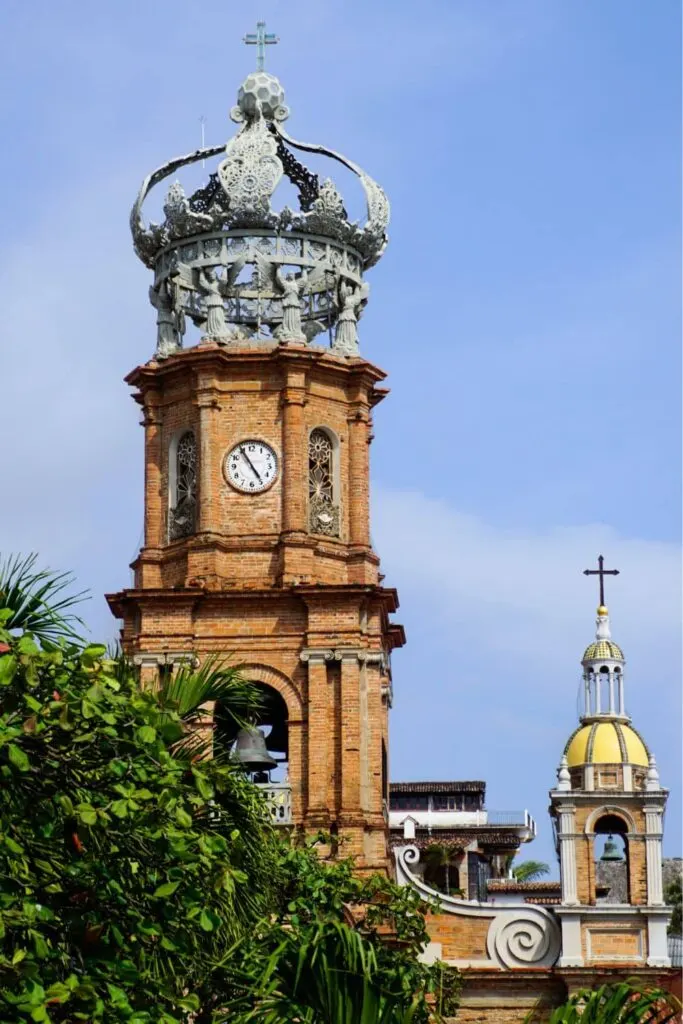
251 466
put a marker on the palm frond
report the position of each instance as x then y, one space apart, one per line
330 975
190 694
628 1002
40 600
530 870
188 690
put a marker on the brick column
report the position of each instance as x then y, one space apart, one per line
350 735
359 476
155 518
207 450
294 454
295 729
318 736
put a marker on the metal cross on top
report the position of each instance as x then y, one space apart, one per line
601 572
260 39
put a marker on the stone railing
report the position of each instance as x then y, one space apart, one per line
279 799
519 935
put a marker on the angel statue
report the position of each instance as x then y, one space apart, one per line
170 323
292 289
210 286
352 301
214 290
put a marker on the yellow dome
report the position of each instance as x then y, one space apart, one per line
606 743
603 649
602 609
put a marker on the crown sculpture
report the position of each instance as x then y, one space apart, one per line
242 272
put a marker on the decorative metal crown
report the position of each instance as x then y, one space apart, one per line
243 272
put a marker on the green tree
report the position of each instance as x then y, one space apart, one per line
143 881
38 601
442 857
129 866
629 1002
369 968
672 896
530 870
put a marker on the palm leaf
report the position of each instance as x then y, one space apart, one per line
530 870
331 976
629 1002
39 600
190 694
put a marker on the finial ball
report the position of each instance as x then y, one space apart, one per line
264 90
602 609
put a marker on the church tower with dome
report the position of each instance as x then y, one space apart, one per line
257 410
608 785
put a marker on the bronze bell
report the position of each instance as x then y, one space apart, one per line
251 750
611 851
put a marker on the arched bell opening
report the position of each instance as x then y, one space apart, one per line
611 852
261 746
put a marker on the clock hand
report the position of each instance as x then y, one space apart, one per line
251 465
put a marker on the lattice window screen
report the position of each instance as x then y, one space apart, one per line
323 507
183 513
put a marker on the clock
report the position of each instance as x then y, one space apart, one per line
251 466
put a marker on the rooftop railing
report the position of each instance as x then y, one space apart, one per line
512 819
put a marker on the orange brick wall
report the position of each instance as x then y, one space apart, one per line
461 938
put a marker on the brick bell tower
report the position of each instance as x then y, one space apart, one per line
257 433
612 911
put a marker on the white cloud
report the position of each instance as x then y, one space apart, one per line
523 592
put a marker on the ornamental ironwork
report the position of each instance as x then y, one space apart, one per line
323 516
183 513
244 272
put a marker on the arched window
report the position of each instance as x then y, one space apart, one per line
323 503
182 480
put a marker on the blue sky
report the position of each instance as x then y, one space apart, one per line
527 312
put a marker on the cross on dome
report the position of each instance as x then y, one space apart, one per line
601 572
260 39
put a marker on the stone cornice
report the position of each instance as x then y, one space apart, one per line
611 797
607 910
236 359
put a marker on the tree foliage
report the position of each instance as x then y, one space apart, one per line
530 870
121 859
345 970
628 1002
144 882
672 896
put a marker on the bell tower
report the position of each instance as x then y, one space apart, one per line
257 410
612 911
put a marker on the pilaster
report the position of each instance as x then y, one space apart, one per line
294 453
567 840
359 474
319 741
155 519
209 460
653 854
